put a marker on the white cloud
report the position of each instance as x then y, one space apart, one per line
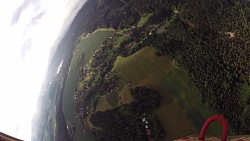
21 79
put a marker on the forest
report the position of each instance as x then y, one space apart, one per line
125 122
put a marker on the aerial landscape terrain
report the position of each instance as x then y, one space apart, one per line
137 70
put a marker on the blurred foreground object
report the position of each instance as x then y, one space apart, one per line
224 136
4 137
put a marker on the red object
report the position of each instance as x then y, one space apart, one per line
210 120
148 132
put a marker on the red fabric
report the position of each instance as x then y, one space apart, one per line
210 120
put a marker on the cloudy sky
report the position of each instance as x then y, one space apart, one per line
28 30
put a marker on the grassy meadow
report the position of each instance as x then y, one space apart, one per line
180 111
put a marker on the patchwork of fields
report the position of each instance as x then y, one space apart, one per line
181 113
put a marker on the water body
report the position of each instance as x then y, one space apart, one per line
87 47
69 107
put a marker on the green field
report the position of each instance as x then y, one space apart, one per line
144 19
85 47
121 95
181 112
103 105
119 40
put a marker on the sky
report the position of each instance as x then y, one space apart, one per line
28 31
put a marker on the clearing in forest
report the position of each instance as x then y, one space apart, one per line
181 112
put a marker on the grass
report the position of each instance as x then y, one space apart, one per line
103 105
97 30
180 88
144 19
120 95
112 99
130 68
85 47
122 31
180 113
125 95
119 40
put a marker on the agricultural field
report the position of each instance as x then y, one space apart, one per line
181 107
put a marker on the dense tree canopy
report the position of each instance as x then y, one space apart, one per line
124 123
